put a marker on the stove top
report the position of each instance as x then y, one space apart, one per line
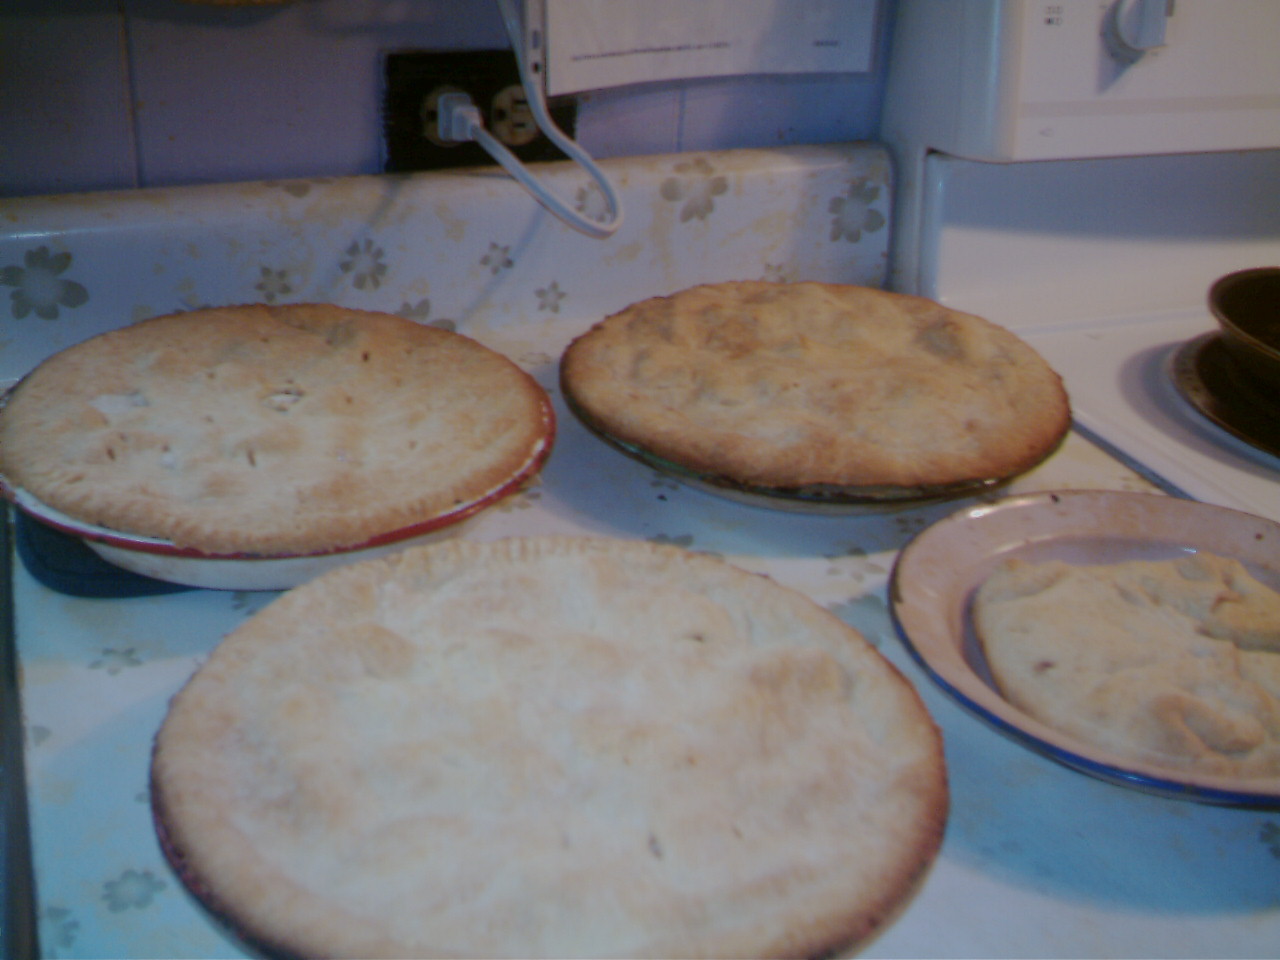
1104 266
1123 382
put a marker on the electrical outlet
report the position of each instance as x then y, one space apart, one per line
511 118
415 80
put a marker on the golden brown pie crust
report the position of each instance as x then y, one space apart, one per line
794 385
271 429
549 747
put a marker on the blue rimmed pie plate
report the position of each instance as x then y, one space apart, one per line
936 574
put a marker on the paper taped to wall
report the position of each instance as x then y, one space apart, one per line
594 44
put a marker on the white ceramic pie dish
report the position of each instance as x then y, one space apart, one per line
164 560
936 574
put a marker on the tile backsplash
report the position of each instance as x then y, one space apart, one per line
118 94
463 249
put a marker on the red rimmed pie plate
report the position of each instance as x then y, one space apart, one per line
167 561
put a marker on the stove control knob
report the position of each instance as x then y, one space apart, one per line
1135 27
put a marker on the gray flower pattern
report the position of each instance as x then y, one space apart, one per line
39 286
58 929
415 311
113 661
497 259
695 186
863 566
853 214
421 312
549 297
591 202
133 889
364 262
273 284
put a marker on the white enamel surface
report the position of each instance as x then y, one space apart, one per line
274 573
1117 376
1104 266
1028 80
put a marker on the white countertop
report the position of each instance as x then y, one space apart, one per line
1038 860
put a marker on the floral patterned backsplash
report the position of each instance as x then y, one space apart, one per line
460 249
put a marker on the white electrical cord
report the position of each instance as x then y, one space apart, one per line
460 119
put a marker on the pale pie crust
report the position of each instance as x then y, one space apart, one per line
549 747
1172 663
271 429
797 385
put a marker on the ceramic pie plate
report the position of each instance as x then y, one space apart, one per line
819 499
164 560
937 573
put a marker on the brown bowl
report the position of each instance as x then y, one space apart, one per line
1247 307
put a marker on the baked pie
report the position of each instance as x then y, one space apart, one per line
816 389
548 747
1173 663
273 430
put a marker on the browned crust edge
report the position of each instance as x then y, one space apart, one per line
319 526
720 459
835 934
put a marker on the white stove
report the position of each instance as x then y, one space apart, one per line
1085 271
1087 196
1121 372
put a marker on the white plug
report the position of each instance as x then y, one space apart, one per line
457 117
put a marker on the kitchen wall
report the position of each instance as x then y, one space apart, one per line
115 94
